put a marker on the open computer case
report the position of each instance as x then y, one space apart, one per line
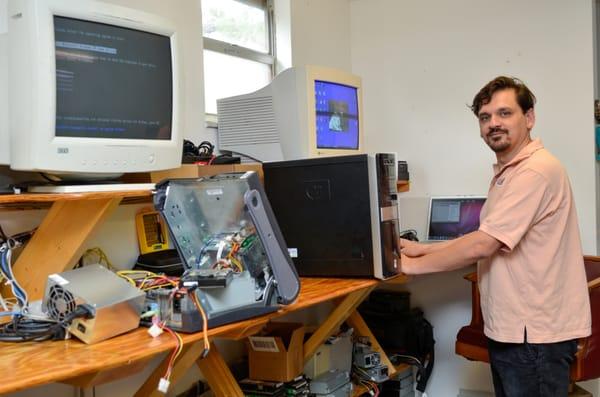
229 241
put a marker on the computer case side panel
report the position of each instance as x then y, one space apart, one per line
322 206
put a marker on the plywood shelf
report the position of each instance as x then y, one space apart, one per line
44 200
60 239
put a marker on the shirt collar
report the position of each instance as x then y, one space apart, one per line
525 153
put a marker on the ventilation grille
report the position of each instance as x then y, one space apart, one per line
247 121
60 303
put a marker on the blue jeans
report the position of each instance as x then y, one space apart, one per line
531 369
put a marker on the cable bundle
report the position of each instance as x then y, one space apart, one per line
363 378
6 270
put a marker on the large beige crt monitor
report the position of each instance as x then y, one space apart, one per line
94 89
304 112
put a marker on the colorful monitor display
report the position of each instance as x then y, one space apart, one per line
336 116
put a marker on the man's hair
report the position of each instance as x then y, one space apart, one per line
525 97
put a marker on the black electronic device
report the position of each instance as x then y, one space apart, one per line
261 388
403 174
299 386
404 333
165 262
338 215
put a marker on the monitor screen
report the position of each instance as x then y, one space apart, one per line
336 116
451 217
112 82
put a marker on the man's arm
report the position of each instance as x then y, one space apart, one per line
413 248
458 253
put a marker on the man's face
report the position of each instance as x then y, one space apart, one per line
503 124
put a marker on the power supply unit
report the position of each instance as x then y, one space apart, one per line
115 305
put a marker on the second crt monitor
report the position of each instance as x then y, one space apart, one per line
305 112
453 216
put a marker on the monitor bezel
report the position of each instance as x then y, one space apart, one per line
34 144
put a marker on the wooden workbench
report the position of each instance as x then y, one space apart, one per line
55 247
30 364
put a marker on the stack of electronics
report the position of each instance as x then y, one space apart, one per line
313 200
258 388
402 385
333 383
403 332
297 387
237 264
367 364
335 353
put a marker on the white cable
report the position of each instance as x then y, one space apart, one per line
3 303
15 287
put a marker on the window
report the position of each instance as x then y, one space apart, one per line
238 48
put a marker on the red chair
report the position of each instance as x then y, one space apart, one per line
471 343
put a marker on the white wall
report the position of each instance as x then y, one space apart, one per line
421 64
320 33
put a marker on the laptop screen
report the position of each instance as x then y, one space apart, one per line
451 217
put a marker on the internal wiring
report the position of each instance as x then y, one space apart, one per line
371 387
235 241
146 280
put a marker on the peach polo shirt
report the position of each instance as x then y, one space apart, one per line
537 280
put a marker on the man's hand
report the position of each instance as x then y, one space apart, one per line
406 264
448 255
412 248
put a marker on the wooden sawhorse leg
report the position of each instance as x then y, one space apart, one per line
188 357
344 309
356 321
213 367
218 375
59 241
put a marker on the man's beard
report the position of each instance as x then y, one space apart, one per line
498 145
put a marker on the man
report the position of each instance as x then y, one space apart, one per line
531 276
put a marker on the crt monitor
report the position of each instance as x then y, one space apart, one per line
453 216
304 112
93 89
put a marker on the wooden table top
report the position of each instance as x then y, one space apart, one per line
30 364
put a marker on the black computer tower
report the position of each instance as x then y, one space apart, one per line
338 215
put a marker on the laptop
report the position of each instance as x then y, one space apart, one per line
453 216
